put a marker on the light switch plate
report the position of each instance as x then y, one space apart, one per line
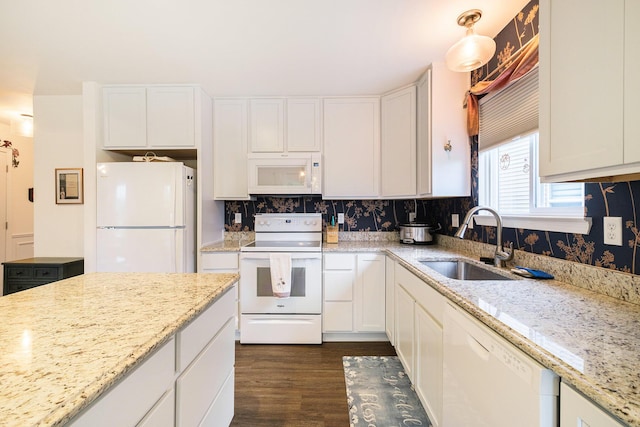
340 218
412 216
612 229
455 220
237 218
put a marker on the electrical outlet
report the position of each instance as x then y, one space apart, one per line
612 226
455 220
238 218
340 218
412 216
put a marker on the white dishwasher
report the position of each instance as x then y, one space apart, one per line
488 382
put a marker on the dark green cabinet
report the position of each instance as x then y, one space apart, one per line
31 272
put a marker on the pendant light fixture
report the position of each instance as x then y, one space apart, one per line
472 51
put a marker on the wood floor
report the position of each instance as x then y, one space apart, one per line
295 385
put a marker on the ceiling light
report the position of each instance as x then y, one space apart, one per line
472 51
22 125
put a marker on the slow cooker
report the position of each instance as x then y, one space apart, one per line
416 233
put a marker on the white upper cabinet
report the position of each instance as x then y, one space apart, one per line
267 125
303 124
170 117
149 117
631 82
125 117
398 143
587 134
351 146
443 147
230 149
281 125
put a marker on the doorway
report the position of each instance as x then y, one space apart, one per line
5 162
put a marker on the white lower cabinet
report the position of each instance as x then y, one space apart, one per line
163 414
223 262
187 382
354 293
578 411
389 299
405 333
127 402
428 376
418 333
199 385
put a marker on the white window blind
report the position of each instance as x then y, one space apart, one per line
511 112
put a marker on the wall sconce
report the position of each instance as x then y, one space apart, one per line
472 51
22 125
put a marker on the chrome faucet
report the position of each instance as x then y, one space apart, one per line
501 255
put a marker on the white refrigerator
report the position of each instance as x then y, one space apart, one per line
145 217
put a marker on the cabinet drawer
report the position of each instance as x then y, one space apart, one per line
195 336
339 262
198 386
129 400
220 261
19 272
18 286
45 273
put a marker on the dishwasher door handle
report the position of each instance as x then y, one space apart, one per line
478 348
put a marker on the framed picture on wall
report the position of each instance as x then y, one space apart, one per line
69 186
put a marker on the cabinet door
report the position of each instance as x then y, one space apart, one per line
389 302
398 142
428 373
170 117
303 124
423 142
351 148
578 131
631 81
339 280
576 410
450 169
404 330
125 117
267 126
230 149
370 293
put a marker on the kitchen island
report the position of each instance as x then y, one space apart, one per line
66 344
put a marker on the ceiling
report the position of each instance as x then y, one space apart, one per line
229 47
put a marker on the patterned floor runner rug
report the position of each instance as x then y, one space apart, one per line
380 394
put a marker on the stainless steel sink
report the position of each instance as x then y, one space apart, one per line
462 270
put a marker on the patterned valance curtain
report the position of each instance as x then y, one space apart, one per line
524 62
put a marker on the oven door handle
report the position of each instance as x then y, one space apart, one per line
294 255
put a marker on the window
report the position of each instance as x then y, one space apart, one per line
508 165
508 182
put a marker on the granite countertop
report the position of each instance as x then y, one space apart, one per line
65 343
591 340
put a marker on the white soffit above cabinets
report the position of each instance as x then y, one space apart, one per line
239 47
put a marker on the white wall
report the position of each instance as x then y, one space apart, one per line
58 143
19 208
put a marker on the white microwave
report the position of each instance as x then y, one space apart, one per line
298 173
